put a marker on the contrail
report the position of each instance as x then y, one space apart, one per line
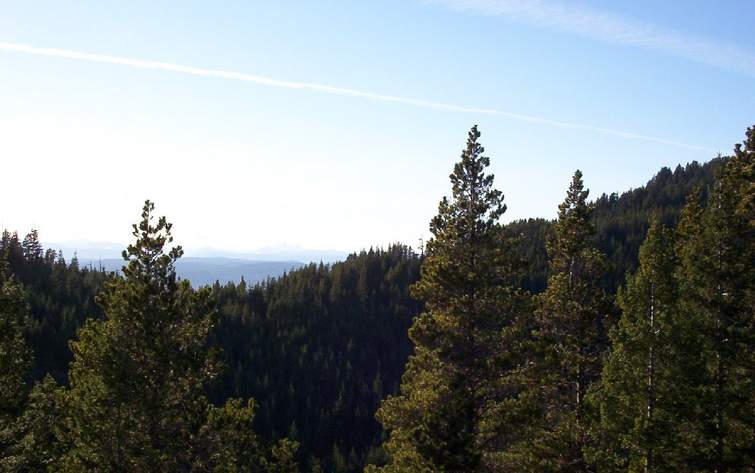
327 89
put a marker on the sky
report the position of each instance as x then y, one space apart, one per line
334 125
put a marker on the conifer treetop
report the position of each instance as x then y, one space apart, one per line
472 193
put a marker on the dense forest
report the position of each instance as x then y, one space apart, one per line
618 337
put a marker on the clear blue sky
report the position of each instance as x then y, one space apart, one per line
241 165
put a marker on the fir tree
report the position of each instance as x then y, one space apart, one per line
468 284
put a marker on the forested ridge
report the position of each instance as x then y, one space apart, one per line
319 348
621 221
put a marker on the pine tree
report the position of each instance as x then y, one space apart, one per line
468 285
642 394
137 380
32 247
137 398
717 250
571 336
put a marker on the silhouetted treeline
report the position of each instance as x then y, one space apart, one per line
61 297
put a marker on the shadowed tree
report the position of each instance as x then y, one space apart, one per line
642 395
15 355
717 250
38 434
571 336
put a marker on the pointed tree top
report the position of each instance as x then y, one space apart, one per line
146 257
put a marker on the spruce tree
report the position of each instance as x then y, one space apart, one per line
571 337
717 250
644 386
468 284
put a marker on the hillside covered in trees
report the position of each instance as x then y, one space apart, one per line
538 345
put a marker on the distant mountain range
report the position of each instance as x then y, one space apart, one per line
86 249
278 253
202 271
206 265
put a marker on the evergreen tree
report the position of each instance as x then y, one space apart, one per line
227 443
32 247
642 395
468 283
38 434
15 356
717 249
137 380
621 222
137 383
571 336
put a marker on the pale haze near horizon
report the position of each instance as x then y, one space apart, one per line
238 165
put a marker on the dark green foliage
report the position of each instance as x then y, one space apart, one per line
61 297
38 439
531 235
136 394
318 349
15 356
227 443
469 284
620 222
717 249
136 400
643 397
570 336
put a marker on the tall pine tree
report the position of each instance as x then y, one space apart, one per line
717 249
137 383
468 284
571 336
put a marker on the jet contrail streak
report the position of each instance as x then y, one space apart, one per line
327 89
